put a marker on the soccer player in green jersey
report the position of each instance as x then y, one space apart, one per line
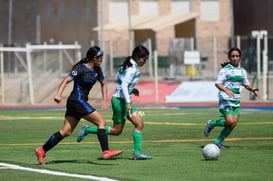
230 78
126 78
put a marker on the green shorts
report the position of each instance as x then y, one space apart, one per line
120 110
229 110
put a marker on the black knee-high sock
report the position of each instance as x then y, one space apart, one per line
52 141
103 139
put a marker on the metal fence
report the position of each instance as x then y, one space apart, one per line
27 73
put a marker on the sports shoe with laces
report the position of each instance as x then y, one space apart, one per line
141 156
110 154
83 133
208 128
40 153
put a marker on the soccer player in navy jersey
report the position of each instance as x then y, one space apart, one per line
85 74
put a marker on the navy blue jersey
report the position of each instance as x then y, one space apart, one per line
84 78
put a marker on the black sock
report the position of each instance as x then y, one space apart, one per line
103 139
52 141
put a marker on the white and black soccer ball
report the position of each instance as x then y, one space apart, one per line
211 152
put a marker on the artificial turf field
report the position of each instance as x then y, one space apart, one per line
173 137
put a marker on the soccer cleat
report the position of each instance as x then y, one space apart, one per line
140 156
221 146
83 133
110 154
40 153
208 129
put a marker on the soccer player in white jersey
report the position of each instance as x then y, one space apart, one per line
126 78
230 78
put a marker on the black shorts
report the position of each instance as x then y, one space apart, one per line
78 108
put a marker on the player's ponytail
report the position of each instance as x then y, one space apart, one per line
126 63
224 64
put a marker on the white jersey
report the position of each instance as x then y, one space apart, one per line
126 80
231 78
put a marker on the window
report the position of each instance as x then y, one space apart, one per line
49 13
118 10
148 7
210 10
61 12
88 12
74 13
181 6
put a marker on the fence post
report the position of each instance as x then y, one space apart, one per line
256 34
78 52
215 55
149 42
60 59
238 41
111 58
156 75
29 71
2 94
265 64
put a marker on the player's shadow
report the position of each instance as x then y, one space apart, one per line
205 160
88 161
77 161
116 158
225 146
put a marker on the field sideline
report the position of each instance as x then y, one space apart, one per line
248 104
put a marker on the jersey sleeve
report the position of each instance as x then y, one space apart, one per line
76 71
245 79
128 79
100 74
221 77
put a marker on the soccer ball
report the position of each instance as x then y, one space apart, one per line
211 152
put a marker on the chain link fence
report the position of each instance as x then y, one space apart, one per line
50 66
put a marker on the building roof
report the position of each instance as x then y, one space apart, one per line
123 24
154 23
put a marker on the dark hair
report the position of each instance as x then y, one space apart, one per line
92 52
139 52
229 55
233 49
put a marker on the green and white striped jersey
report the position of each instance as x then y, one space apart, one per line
126 80
231 78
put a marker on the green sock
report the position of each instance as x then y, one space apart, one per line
219 122
94 130
137 135
225 132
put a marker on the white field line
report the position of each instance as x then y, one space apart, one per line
43 171
25 117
